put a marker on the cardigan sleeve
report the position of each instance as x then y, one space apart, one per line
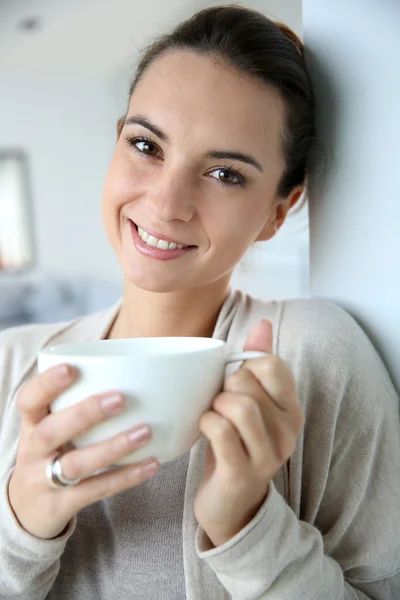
28 565
350 548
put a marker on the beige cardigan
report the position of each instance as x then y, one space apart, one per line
330 528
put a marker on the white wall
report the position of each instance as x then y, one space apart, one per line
353 52
67 128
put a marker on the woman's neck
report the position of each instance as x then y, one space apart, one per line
185 313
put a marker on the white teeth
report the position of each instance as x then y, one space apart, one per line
143 234
155 243
152 241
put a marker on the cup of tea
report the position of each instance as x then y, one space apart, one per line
167 382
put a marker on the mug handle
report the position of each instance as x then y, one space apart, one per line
247 355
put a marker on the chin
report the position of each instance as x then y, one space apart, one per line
150 282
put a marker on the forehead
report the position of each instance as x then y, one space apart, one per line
195 93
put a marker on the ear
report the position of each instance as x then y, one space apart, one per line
279 213
120 124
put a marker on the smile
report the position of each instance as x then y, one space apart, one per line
150 240
156 247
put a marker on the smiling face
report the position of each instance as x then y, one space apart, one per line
197 163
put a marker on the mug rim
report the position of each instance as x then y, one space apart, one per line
65 350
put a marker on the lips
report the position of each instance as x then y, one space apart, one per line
154 252
158 243
159 237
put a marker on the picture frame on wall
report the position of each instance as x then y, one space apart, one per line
17 251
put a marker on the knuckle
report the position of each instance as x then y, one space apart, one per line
25 395
123 445
132 476
129 477
206 420
261 438
72 466
275 369
89 411
48 384
272 365
246 407
41 386
222 429
116 481
45 436
235 380
223 399
202 422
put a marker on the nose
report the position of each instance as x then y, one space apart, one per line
171 197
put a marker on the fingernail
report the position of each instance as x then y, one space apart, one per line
149 467
139 434
63 372
112 404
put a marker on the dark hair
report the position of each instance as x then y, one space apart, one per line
262 49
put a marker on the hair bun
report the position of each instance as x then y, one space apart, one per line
293 37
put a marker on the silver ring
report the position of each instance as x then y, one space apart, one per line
55 475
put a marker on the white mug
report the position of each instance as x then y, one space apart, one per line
167 382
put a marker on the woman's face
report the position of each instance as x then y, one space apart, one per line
197 163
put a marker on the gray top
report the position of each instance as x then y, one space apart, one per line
134 538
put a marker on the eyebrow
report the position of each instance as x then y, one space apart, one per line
138 120
246 158
219 154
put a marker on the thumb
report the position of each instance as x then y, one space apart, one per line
260 337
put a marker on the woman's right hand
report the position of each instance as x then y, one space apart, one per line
41 509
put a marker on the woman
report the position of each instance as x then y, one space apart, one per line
293 491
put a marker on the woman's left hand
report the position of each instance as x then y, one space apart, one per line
252 431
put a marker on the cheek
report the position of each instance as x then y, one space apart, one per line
109 208
234 227
118 184
122 186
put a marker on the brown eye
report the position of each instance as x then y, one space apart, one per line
227 176
146 147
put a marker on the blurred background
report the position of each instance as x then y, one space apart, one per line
65 67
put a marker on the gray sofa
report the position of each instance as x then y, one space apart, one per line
48 299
